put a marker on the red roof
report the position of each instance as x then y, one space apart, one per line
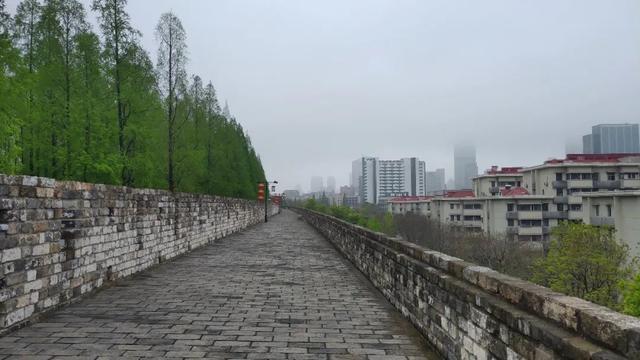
459 193
587 158
504 170
410 198
514 191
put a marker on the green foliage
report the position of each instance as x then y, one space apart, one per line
365 217
585 261
631 304
75 107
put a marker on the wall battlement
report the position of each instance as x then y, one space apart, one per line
61 239
471 312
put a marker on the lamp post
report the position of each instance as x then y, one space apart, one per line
266 198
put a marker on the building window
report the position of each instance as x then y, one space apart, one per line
451 206
509 222
611 176
530 223
560 207
473 206
530 207
596 209
575 207
509 207
559 192
609 210
558 176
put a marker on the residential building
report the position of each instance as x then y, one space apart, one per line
612 138
380 180
420 205
435 181
465 166
527 203
348 190
351 201
495 179
618 209
317 184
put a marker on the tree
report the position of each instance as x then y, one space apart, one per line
10 93
172 59
585 261
119 37
27 14
631 304
74 108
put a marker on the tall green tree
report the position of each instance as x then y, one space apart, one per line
120 41
75 107
585 261
172 59
10 95
27 15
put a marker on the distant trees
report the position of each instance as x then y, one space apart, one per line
367 217
78 105
586 261
495 251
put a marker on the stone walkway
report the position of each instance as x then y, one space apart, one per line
275 291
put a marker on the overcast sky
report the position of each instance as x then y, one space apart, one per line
320 83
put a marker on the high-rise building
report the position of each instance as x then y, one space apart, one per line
331 185
382 179
356 174
435 181
317 184
465 166
612 139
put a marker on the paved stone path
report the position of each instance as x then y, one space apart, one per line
275 291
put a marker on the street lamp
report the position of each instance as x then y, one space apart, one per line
266 198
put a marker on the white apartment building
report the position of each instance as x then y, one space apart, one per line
599 189
493 180
420 205
379 180
619 209
569 179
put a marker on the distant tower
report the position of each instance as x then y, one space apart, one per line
465 166
225 112
331 185
317 184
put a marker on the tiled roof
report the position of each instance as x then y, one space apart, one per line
514 191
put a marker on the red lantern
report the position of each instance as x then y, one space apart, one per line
261 192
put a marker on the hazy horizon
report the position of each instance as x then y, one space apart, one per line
319 84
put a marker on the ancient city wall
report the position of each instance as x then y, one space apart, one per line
472 312
61 239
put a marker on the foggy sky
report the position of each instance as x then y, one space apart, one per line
320 83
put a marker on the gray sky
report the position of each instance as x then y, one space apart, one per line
320 83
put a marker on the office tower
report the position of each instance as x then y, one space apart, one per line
435 181
331 185
612 139
317 184
465 166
